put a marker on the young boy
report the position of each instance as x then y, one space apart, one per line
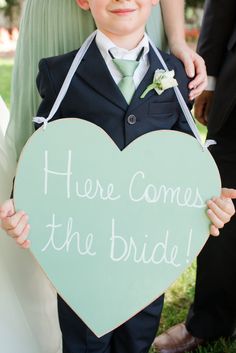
94 95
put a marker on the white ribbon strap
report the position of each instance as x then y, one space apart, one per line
209 143
183 105
77 60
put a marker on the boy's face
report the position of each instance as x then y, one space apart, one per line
119 17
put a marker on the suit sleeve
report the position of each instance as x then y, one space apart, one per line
218 25
46 90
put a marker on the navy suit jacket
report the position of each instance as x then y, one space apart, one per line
94 96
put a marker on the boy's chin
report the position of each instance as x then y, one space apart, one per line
124 30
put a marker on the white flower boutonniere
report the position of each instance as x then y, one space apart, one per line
162 80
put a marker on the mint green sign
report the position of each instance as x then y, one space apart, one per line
113 229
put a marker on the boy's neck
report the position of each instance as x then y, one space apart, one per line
129 41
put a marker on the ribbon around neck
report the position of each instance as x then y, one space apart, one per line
77 60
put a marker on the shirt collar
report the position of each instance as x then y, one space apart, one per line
105 45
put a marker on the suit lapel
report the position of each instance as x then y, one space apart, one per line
94 71
147 80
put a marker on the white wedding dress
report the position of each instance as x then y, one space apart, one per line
28 312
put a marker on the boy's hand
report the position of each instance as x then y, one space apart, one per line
221 209
15 223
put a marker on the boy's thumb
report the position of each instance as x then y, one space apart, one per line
229 193
7 209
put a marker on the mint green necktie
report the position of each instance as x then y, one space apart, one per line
126 84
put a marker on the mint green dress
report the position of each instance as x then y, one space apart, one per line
48 28
155 28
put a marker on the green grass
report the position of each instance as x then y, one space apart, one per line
5 79
180 294
177 301
202 129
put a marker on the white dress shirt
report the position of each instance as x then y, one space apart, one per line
105 45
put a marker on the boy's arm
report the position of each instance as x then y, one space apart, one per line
47 91
173 15
220 211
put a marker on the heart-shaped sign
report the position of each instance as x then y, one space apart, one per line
113 229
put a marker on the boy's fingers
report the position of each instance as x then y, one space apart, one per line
23 236
226 205
221 216
214 231
17 231
26 244
7 209
217 222
228 193
9 223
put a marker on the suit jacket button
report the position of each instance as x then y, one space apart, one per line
131 119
